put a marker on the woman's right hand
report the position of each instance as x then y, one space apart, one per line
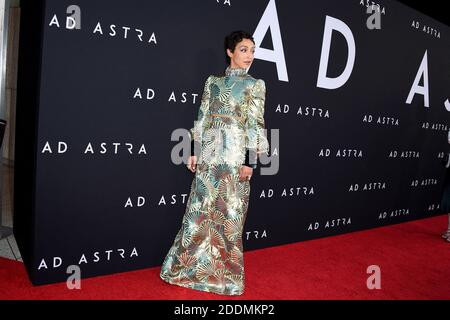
192 163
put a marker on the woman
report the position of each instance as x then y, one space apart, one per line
207 253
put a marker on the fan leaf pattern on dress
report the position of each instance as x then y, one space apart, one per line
207 253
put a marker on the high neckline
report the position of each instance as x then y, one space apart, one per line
235 71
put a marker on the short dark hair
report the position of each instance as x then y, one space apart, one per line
234 38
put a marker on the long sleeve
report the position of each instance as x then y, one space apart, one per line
256 141
197 131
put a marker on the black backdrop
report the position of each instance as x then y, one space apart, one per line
351 158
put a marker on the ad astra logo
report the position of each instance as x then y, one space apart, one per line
426 29
96 148
163 200
224 2
441 155
255 234
381 120
424 183
97 256
404 154
373 5
269 23
73 22
150 94
433 207
434 126
394 213
341 153
330 224
367 186
288 192
317 112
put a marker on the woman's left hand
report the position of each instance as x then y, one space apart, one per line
245 173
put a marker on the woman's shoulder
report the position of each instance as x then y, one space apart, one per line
257 83
253 83
248 79
254 80
212 78
215 76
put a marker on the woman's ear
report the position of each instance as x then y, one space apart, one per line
229 53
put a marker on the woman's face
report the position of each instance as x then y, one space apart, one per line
243 54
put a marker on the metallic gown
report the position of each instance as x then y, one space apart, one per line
207 253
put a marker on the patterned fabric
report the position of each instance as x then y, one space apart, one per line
207 253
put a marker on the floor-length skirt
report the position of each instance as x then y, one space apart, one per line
207 253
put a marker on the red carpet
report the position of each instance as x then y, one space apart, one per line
414 262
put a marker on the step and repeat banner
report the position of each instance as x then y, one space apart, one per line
357 114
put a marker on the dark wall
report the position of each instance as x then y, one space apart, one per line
29 71
351 158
